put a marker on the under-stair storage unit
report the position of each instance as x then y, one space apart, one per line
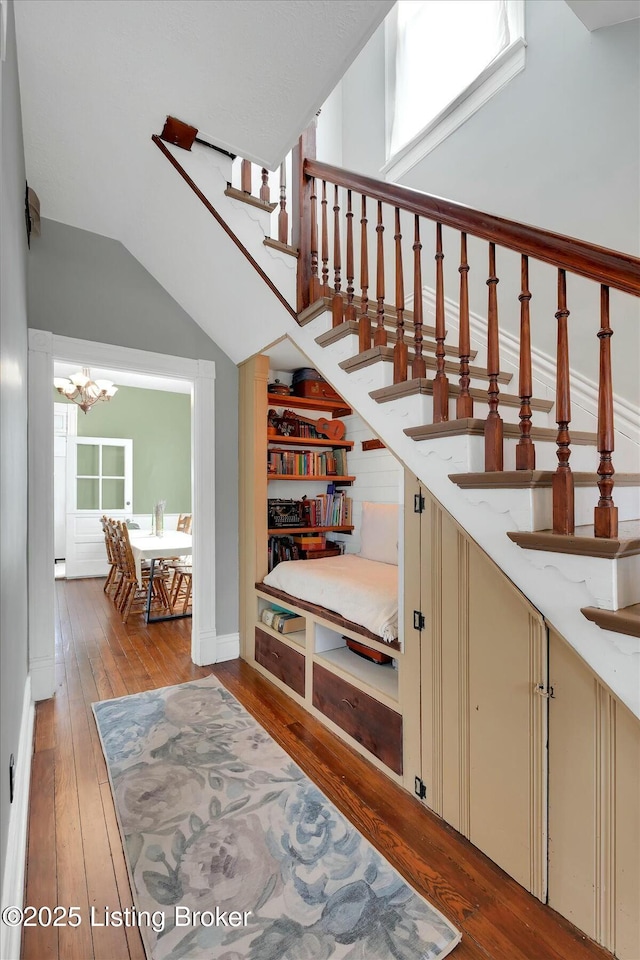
359 700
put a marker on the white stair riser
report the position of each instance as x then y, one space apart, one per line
610 584
532 509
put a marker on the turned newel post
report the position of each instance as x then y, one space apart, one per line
314 283
493 428
325 242
364 323
265 193
283 216
525 450
464 401
350 309
337 304
400 351
563 493
301 219
606 513
418 367
440 382
380 338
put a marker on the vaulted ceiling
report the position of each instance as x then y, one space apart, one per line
98 78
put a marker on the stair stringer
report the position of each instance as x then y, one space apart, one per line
557 584
192 257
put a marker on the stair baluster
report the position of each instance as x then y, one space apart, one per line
493 428
337 305
245 176
364 324
314 283
350 309
283 216
606 513
400 351
418 366
563 491
380 338
525 449
325 242
464 401
441 382
265 192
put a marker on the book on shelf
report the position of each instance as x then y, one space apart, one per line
327 509
307 463
282 621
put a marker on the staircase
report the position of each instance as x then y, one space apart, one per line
493 441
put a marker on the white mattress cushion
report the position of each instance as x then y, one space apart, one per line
379 532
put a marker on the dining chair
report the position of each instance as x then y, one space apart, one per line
134 596
181 585
184 523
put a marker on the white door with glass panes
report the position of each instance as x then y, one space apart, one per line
99 482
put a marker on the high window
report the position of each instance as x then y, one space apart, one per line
445 58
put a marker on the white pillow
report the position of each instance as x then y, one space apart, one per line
379 532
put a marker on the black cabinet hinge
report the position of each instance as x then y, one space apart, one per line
418 620
418 503
420 789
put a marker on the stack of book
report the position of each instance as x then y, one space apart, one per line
331 509
283 621
307 463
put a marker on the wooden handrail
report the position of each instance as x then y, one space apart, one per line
620 271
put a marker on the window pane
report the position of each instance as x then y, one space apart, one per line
442 46
88 460
113 494
88 494
112 461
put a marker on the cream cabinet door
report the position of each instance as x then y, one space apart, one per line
483 705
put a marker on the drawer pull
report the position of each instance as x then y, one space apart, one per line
274 654
348 702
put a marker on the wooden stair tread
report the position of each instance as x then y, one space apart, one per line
422 385
583 542
282 247
323 304
350 327
472 426
524 479
375 354
626 620
250 199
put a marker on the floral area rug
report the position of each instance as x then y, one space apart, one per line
234 854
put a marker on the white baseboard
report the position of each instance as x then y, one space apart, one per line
15 863
42 676
228 647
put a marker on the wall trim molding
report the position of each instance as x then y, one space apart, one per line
228 647
584 392
44 348
16 854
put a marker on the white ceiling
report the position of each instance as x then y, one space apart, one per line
98 78
125 378
605 13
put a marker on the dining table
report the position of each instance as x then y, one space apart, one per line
151 547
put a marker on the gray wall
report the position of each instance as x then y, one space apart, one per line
558 147
87 286
13 428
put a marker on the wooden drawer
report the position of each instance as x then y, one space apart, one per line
371 723
281 660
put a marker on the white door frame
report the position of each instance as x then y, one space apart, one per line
44 347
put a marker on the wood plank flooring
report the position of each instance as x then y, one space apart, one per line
75 854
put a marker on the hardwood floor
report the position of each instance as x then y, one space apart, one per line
75 854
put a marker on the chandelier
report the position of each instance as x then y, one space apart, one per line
84 391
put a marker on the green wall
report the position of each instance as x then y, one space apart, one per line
159 424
